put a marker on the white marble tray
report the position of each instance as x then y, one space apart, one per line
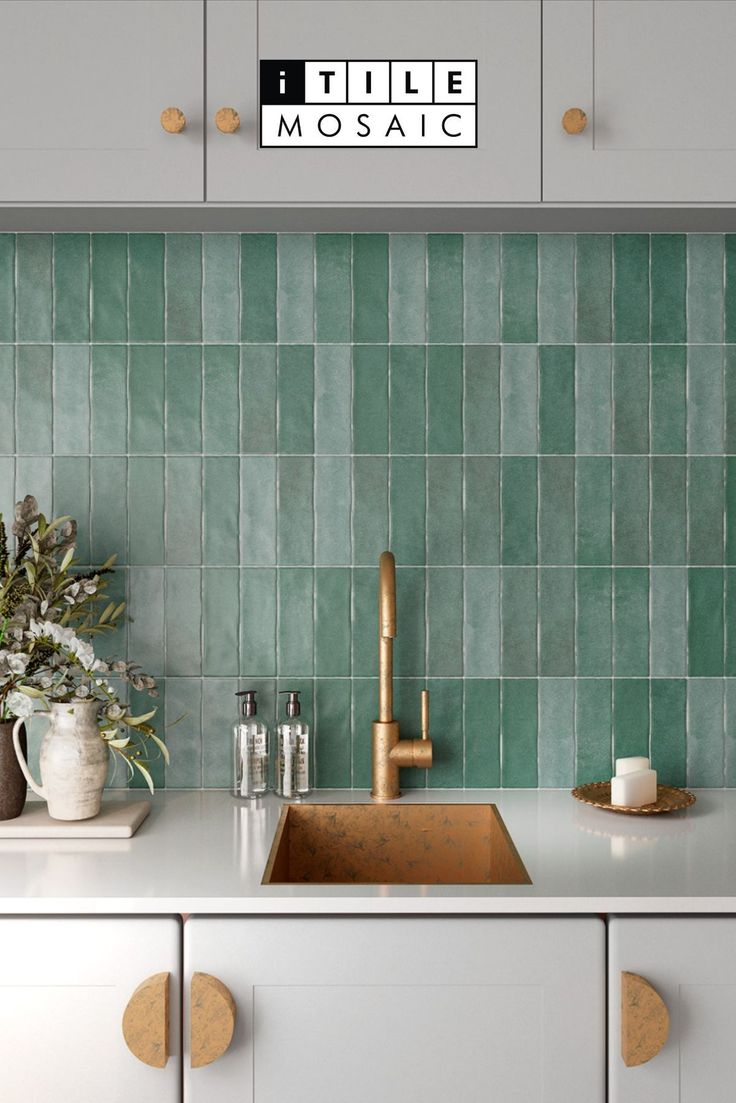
117 820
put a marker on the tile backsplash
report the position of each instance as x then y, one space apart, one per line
542 428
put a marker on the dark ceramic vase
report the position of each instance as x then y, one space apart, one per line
12 782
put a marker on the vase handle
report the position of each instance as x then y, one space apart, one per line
37 789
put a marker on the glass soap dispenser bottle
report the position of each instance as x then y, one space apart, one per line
292 751
251 749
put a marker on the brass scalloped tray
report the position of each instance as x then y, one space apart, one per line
669 799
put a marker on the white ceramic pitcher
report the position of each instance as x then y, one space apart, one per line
73 760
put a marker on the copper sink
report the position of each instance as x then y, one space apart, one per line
374 844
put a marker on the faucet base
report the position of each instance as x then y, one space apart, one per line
385 772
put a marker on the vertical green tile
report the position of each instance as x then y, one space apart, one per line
141 702
730 290
332 401
220 510
146 291
556 288
705 642
295 422
482 623
7 406
258 511
34 399
7 287
34 475
705 500
669 739
183 621
556 621
258 287
519 510
145 398
519 281
669 516
444 622
332 622
630 717
481 264
593 284
668 283
445 399
72 499
729 691
631 622
482 726
370 399
557 398
630 509
631 399
33 287
556 733
447 709
218 695
409 657
221 621
258 399
406 702
183 277
109 276
365 609
364 711
444 510
668 399
668 617
183 529
593 496
370 287
630 287
296 287
71 287
519 622
705 287
220 291
407 399
333 288
705 408
296 617
482 400
332 500
445 287
593 389
370 509
407 290
408 508
108 510
183 398
556 509
295 510
109 399
145 510
71 399
258 621
146 625
332 721
593 730
519 421
519 733
594 624
184 704
7 488
705 734
729 394
729 622
482 516
220 399
730 508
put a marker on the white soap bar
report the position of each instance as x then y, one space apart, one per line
633 790
631 765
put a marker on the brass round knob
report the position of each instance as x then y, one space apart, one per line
574 121
227 120
173 120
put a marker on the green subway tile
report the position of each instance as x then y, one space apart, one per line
705 409
295 398
108 510
296 510
705 734
668 622
7 287
705 304
183 274
593 730
556 509
258 287
296 287
370 509
444 622
482 516
519 281
184 708
593 496
370 399
593 415
146 398
8 496
444 509
482 726
705 641
296 637
481 257
557 399
332 768
71 287
630 509
220 399
146 624
594 624
258 399
519 422
407 399
729 394
332 399
218 695
408 508
669 515
220 291
332 623
71 497
631 399
221 621
258 511
557 733
71 399
729 621
116 641
556 288
556 621
406 711
668 284
444 287
409 655
730 508
730 289
141 702
333 287
220 497
519 733
33 287
705 509
447 711
669 739
370 287
630 717
407 291
7 406
482 623
364 711
258 621
445 399
668 399
364 623
109 399
183 530
146 291
729 691
145 510
34 475
519 510
332 498
593 280
482 400
34 399
630 287
631 622
519 622
183 398
109 275
183 621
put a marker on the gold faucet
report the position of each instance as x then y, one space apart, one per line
390 751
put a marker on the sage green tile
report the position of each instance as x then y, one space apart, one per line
447 737
556 509
183 279
365 607
34 475
220 504
630 287
407 287
408 500
594 623
332 622
668 288
183 529
730 508
556 288
482 727
370 509
332 501
557 398
109 275
364 711
258 287
146 617
519 733
295 510
705 509
669 514
183 621
7 287
332 768
729 622
668 399
730 288
407 399
258 621
556 733
332 399
218 695
220 290
34 307
631 399
295 287
444 622
184 709
109 429
593 498
444 509
593 730
705 407
109 506
370 287
593 286
295 420
631 622
519 281
258 398
145 510
72 497
183 398
221 622
482 516
445 287
7 404
8 496
669 738
705 638
220 399
258 511
481 264
705 734
445 399
34 399
519 421
146 293
295 643
593 395
482 399
729 692
145 398
409 655
519 510
71 399
630 510
370 399
705 287
668 622
71 287
729 395
333 303
519 615
556 621
139 703
630 717
482 622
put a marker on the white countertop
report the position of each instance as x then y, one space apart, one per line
205 852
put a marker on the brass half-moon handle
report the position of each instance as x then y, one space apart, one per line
645 1020
146 1021
173 120
574 121
212 1017
227 120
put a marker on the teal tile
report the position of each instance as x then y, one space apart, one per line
668 283
482 399
295 421
729 692
630 717
446 712
332 501
7 287
146 291
630 287
593 395
668 399
295 510
408 502
630 510
183 276
593 730
444 287
519 510
730 509
407 287
593 497
295 287
730 289
669 515
220 399
370 287
217 713
109 274
71 287
370 399
705 509
146 617
34 399
729 395
631 622
482 516
220 494
145 510
184 710
258 275
184 398
333 287
556 733
705 407
220 291
556 621
183 621
445 399
258 511
370 509
364 711
481 264
117 642
519 422
705 734
594 623
108 510
409 653
71 399
258 399
365 624
7 487
556 288
593 285
258 621
34 475
444 622
519 622
705 287
482 623
519 733
482 727
332 766
631 399
729 622
7 406
183 496
34 308
145 398
444 510
109 399
72 497
705 632
556 509
557 398
407 400
519 281
295 645
221 622
669 738
332 399
332 622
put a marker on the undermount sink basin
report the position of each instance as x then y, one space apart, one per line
375 844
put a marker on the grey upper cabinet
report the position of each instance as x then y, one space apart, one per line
82 88
503 36
657 82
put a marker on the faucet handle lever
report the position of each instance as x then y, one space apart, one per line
425 714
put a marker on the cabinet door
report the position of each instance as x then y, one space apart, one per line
82 87
502 35
691 964
657 82
64 987
397 1009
